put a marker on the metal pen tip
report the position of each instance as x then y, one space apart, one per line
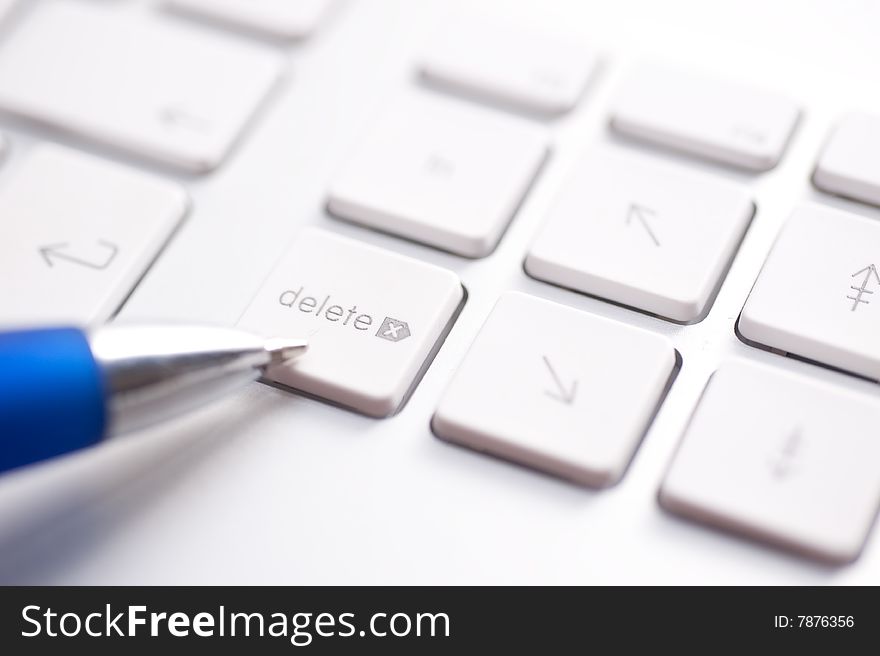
282 350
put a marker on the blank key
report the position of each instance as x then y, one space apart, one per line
529 70
78 234
141 84
850 163
443 173
286 19
647 235
781 458
373 319
712 118
818 294
557 389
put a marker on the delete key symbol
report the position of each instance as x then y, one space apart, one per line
393 330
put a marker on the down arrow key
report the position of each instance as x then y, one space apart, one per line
560 392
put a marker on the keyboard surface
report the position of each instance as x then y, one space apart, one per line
267 190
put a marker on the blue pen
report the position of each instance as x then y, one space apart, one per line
63 389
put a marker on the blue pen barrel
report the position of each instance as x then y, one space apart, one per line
51 395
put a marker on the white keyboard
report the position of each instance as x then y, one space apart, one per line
623 261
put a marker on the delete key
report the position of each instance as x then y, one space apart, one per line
374 319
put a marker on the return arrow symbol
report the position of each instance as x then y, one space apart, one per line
56 252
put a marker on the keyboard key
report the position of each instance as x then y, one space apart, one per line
445 174
370 335
850 163
284 19
78 234
134 82
818 294
781 458
715 119
531 71
557 389
651 236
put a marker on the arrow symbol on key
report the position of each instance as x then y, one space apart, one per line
641 213
56 252
869 270
561 393
863 289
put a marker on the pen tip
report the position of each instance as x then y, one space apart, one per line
283 350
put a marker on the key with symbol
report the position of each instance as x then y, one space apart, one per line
374 319
137 83
818 294
440 172
712 118
641 233
557 389
78 234
782 458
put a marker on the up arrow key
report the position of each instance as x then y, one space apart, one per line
640 214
